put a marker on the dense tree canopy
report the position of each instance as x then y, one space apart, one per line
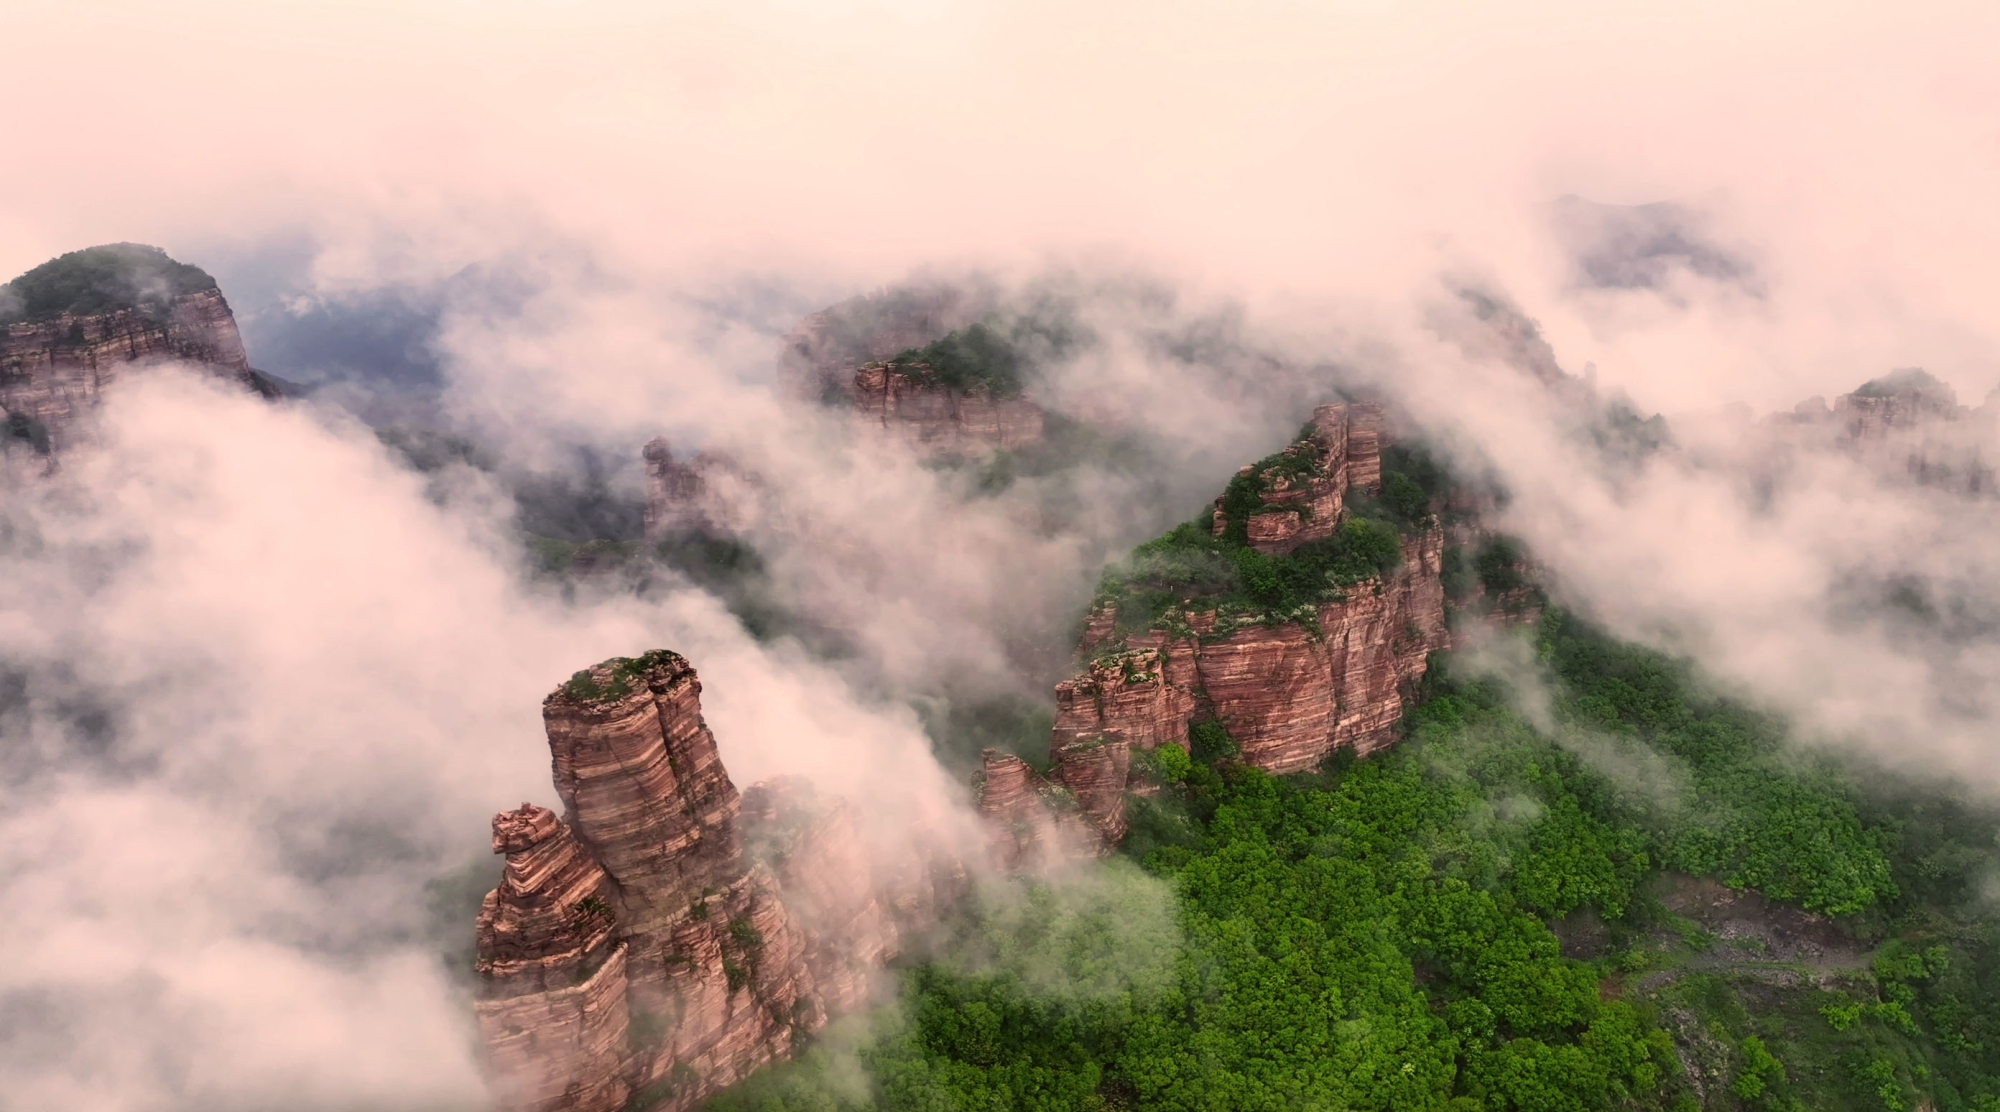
1382 934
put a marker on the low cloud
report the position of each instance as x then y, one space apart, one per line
261 693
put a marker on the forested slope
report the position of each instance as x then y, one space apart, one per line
1491 915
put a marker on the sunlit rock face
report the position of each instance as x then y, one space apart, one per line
635 955
134 308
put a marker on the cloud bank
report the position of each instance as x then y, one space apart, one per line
262 687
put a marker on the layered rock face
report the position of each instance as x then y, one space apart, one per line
553 906
634 954
555 1021
1124 695
54 370
1289 691
1302 499
939 420
1038 823
1288 694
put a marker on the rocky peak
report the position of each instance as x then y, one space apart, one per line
636 767
1298 494
1906 425
822 351
634 955
1292 672
553 907
922 365
75 324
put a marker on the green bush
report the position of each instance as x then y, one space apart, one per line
1173 762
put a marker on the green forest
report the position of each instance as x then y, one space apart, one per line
1645 898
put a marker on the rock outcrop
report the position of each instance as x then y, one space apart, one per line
1908 425
1036 823
1290 693
55 364
1299 498
847 356
1290 687
555 1020
940 420
553 909
634 954
821 352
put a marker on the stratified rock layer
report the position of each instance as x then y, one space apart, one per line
53 371
940 420
553 908
1289 694
1124 695
1037 824
1344 450
822 351
634 955
636 768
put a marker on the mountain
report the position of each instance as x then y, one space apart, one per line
77 323
923 363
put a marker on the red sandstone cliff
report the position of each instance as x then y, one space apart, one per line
939 420
1290 689
1909 426
822 351
54 370
838 356
1302 499
1037 823
1289 693
634 954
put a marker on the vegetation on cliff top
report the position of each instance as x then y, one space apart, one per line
1190 568
100 280
977 357
618 675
